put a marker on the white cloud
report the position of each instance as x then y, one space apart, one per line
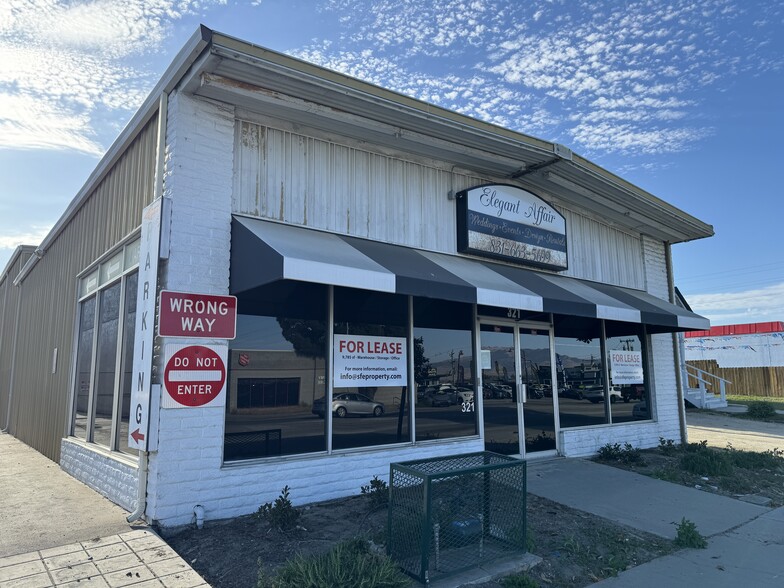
33 236
65 63
748 306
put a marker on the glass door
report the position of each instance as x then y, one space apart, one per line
517 389
536 375
499 389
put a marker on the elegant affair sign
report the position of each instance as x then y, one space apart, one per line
510 223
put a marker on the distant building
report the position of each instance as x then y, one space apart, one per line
751 356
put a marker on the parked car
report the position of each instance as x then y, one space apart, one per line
569 392
349 403
596 394
444 395
465 395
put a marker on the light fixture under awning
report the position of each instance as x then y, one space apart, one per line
263 252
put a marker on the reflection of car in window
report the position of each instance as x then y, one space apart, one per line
640 411
444 395
596 394
349 403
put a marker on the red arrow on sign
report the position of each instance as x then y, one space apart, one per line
137 436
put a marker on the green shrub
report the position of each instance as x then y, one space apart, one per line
753 460
281 513
519 581
707 463
761 410
667 446
688 535
378 491
350 564
627 454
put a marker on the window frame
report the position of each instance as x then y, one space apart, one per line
90 285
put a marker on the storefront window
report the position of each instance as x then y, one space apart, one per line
84 362
104 355
129 331
106 366
626 355
443 370
277 374
366 416
580 372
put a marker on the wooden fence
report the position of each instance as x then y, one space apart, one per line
747 381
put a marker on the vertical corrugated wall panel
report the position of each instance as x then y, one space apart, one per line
9 299
337 187
39 408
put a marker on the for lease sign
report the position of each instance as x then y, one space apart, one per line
184 314
369 361
626 367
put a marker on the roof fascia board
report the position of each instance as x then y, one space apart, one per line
318 75
232 48
182 62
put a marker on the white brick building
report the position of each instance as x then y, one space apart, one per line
527 288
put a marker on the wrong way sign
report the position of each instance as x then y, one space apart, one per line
194 375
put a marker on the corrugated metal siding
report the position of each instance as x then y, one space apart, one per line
327 185
40 408
9 298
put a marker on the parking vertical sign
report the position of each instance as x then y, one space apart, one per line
145 326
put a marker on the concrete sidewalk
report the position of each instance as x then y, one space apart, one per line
746 541
55 531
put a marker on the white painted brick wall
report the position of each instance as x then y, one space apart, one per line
187 467
111 477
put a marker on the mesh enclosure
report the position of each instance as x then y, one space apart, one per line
453 513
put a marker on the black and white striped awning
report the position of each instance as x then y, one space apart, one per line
264 252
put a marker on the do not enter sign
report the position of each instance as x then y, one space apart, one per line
195 375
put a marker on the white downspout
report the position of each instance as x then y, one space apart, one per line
144 456
676 350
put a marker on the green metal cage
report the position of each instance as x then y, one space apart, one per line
454 513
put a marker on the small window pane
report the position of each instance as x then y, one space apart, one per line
277 374
106 366
132 254
443 370
377 415
129 330
626 358
89 284
580 372
112 269
84 361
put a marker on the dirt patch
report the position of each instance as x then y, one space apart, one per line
577 548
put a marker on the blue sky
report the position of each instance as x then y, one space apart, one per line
684 99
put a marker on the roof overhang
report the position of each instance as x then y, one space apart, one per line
257 79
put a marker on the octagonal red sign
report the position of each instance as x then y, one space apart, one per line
194 375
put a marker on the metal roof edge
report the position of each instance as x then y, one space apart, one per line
633 190
321 74
177 68
317 72
18 251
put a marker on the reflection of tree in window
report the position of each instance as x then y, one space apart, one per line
308 337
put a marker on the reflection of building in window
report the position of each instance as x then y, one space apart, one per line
266 379
267 392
